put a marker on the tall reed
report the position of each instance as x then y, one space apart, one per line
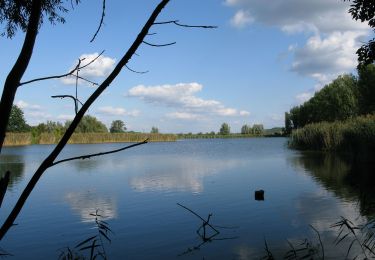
355 134
13 139
85 138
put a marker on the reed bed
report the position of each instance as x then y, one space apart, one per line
89 138
210 136
13 139
356 134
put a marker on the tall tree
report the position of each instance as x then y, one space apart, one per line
258 129
17 122
27 16
246 129
117 126
366 89
288 123
89 124
224 129
154 130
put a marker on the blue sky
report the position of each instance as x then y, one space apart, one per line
264 58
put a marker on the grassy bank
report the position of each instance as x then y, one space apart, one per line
353 135
13 139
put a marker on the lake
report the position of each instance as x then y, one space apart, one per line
136 192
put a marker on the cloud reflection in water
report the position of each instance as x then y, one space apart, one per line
181 174
86 202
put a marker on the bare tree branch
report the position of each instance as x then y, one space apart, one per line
77 67
100 23
159 45
205 222
76 100
139 72
83 157
176 22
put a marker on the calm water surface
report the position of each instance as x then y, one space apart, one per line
138 190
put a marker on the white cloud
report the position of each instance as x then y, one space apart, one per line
182 96
325 58
183 116
101 67
241 19
117 111
244 113
334 36
86 203
24 105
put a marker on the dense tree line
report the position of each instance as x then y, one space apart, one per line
89 124
346 97
256 129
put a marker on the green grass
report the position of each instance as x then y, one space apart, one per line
356 135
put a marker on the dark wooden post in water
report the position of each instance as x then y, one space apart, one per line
259 195
4 185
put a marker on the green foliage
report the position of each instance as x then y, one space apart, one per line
154 130
364 10
257 129
288 123
89 124
117 126
17 122
55 129
15 14
224 129
246 129
336 101
366 89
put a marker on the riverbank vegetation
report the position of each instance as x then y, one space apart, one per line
341 116
92 130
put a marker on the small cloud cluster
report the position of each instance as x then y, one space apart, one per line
101 67
34 113
241 19
182 96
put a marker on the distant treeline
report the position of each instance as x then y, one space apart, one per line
339 117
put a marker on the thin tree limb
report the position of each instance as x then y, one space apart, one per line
159 45
139 72
176 22
205 222
72 97
70 73
100 23
83 157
